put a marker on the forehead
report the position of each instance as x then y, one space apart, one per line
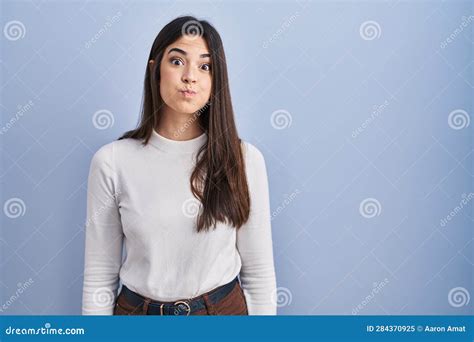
193 46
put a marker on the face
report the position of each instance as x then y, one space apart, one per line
185 69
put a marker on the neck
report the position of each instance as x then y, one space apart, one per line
175 146
178 126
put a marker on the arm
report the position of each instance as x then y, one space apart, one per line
104 236
254 241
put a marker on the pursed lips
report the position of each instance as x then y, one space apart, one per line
188 93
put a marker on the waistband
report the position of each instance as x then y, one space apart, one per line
178 307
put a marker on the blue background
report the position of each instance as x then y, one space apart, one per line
308 64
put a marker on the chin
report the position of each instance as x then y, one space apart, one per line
187 109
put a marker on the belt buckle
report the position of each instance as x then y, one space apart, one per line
186 304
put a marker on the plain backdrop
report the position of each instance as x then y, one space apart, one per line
361 109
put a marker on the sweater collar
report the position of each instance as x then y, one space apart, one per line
177 146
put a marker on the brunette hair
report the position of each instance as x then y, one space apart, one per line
218 180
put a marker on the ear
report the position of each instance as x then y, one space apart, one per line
151 62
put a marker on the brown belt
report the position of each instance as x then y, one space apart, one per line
179 307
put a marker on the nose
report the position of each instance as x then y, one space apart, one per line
189 75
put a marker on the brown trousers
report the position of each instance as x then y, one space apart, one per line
232 304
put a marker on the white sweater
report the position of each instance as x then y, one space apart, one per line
140 198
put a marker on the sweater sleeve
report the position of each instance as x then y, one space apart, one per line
254 241
104 236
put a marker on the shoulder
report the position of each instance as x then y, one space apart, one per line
253 157
255 169
108 153
251 152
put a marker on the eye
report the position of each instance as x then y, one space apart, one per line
206 67
173 60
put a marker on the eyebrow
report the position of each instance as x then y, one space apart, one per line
185 53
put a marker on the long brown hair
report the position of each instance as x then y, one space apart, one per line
218 181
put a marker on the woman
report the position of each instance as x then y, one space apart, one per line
187 198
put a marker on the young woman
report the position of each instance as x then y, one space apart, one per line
187 198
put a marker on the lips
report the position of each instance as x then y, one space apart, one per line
188 91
